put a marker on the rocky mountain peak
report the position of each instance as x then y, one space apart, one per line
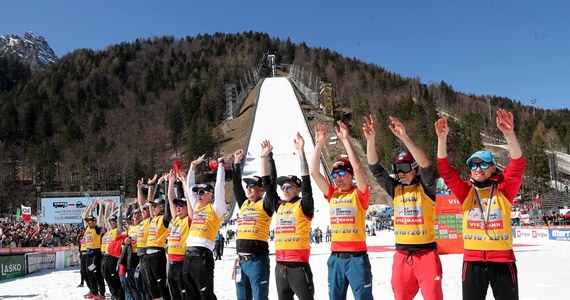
31 49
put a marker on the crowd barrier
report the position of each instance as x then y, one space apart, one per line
17 262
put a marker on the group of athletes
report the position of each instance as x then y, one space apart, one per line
163 249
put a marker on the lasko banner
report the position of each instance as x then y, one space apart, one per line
39 261
12 266
69 210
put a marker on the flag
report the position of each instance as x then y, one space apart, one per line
26 213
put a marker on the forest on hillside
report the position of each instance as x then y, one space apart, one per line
97 120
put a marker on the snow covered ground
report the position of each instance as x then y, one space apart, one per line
542 266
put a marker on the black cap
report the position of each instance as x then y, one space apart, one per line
255 180
159 201
294 179
203 186
113 218
91 218
181 200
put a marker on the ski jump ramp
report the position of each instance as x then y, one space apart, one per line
278 117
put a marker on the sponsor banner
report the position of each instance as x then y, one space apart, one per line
12 266
560 233
448 224
69 210
24 250
533 233
39 261
70 258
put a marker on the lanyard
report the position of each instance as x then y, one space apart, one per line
485 214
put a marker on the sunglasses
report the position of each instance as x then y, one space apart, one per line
483 165
180 204
286 187
203 192
403 167
145 208
251 185
137 214
340 173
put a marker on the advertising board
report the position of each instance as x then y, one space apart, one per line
12 266
68 210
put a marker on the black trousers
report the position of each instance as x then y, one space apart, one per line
177 282
199 271
157 275
477 276
144 277
111 276
83 269
94 274
294 278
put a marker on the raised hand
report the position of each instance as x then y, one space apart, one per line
238 156
182 176
163 178
266 148
397 128
505 121
197 161
171 176
320 133
299 143
341 130
153 179
368 127
441 128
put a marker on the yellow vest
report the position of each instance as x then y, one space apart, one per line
177 233
414 214
92 239
157 233
133 233
493 234
82 244
347 217
205 223
107 239
292 228
142 235
254 222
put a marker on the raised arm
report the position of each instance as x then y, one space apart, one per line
220 192
449 174
182 178
86 212
342 133
140 196
101 213
271 195
108 212
171 194
315 169
399 130
506 124
191 181
239 192
300 146
441 130
150 194
370 135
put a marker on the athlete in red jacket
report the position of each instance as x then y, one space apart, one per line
486 200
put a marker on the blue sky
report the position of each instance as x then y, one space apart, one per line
516 49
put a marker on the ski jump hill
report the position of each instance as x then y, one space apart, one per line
278 117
